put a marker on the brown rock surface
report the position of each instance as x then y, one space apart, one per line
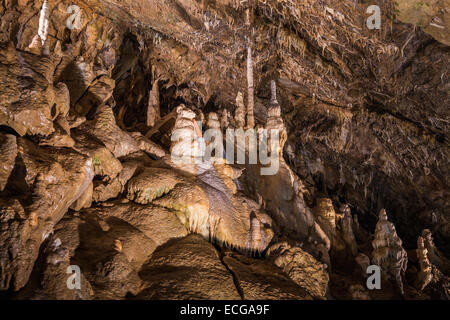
363 116
260 280
189 268
301 267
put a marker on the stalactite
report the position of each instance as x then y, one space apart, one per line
43 27
251 101
249 14
153 109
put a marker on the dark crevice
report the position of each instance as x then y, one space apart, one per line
233 275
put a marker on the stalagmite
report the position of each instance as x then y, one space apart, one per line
251 93
425 275
274 119
213 143
213 121
326 216
224 123
388 252
364 262
434 255
35 45
255 232
239 113
186 149
153 110
347 229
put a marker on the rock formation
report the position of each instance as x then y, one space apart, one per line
187 148
103 162
239 113
388 252
346 224
43 27
274 120
153 113
434 255
251 90
8 153
301 267
424 276
224 119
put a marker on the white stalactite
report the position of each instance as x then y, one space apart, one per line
251 98
43 27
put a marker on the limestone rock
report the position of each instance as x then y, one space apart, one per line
158 224
61 137
54 180
103 161
217 215
43 26
27 95
119 142
97 93
8 153
261 280
436 257
189 268
358 292
105 190
432 16
286 206
151 184
213 121
58 254
85 200
301 267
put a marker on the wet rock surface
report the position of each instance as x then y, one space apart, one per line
89 117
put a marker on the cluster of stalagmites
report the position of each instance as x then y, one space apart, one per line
78 189
128 191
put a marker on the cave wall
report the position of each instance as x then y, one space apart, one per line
366 110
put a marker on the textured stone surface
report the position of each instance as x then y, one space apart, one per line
301 267
189 268
363 116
